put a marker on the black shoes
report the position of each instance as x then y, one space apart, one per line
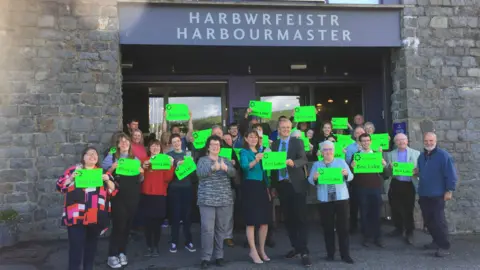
348 260
291 254
330 258
204 265
379 243
306 260
409 239
220 262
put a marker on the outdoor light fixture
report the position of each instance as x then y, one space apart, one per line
330 100
127 65
346 101
298 66
319 104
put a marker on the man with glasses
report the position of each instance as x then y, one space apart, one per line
369 189
401 194
236 137
292 189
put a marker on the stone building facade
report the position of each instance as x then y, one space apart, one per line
61 89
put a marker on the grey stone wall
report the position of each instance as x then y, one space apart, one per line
437 86
60 89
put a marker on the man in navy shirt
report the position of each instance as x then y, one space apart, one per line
437 180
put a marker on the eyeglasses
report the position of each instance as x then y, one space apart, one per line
327 150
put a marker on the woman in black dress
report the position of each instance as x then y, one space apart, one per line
256 203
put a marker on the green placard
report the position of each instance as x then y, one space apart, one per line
340 123
200 138
330 176
274 161
128 167
403 168
161 162
265 141
186 168
320 157
380 140
89 178
344 140
368 163
339 150
306 142
177 112
305 114
262 109
113 150
226 153
237 152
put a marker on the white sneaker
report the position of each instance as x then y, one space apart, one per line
114 262
123 259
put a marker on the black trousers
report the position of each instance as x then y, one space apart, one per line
82 242
354 207
334 215
433 212
153 228
401 198
294 208
123 213
180 203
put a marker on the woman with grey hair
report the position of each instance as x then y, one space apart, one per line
369 128
332 192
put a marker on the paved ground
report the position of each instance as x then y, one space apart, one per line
396 255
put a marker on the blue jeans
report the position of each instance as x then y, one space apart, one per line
370 201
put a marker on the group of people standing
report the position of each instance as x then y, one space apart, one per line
88 211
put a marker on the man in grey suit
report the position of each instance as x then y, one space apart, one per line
292 185
401 195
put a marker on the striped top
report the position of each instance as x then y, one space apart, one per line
214 188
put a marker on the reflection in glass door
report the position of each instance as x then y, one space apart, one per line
205 101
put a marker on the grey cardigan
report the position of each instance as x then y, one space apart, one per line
214 188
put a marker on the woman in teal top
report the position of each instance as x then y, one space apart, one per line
256 202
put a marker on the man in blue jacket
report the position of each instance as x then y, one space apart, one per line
437 180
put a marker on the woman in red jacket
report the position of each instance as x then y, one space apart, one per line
154 198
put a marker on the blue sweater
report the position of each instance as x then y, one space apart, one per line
437 174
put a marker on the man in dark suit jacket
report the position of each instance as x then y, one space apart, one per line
292 187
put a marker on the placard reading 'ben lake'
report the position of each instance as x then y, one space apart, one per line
240 26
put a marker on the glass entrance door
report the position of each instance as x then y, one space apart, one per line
206 101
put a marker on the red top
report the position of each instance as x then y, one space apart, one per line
139 151
156 182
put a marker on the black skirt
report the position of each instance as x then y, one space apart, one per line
153 206
257 209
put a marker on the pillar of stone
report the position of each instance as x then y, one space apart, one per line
60 89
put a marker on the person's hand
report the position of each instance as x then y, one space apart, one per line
114 165
353 164
344 172
146 164
273 192
190 113
290 163
380 149
319 153
171 161
331 139
384 163
415 171
258 157
70 179
315 176
293 113
105 177
311 147
223 166
142 170
447 196
270 142
180 163
216 166
344 150
233 162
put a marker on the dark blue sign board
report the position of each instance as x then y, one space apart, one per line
240 26
400 127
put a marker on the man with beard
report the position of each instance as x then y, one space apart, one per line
437 180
